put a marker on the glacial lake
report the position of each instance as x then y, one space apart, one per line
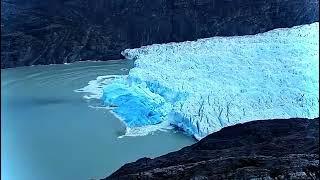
49 132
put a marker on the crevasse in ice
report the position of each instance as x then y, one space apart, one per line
202 86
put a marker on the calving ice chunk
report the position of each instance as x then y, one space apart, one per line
202 86
135 103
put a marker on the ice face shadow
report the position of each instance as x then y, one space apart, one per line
48 101
41 101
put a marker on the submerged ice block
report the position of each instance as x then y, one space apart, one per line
202 86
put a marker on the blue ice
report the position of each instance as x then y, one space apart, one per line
133 105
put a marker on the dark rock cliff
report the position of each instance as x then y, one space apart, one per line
59 31
271 149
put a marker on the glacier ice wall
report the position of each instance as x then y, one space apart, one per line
202 86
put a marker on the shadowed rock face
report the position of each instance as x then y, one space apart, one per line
271 149
59 31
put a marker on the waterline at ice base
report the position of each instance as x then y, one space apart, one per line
202 86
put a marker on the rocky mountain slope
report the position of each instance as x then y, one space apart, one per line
269 149
59 31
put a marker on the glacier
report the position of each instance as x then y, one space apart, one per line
202 86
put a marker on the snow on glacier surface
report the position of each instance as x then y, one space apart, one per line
202 86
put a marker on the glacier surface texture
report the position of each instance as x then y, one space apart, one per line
202 86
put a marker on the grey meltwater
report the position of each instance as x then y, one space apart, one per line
49 132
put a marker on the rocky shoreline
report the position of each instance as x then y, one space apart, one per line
265 149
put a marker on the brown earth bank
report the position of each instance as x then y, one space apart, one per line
62 31
265 149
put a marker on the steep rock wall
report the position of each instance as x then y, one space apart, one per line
59 31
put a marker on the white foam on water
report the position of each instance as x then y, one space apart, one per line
94 89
